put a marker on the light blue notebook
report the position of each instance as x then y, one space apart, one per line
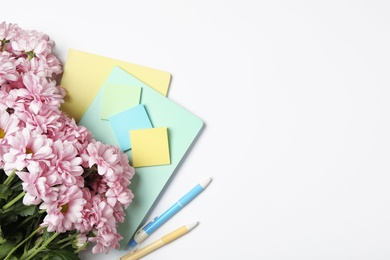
148 182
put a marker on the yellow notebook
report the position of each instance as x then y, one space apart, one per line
85 73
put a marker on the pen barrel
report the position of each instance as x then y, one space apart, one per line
152 226
144 251
174 235
190 195
157 222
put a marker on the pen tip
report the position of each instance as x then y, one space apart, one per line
206 182
133 243
192 225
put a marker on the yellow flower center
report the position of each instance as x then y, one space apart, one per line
2 133
29 151
64 208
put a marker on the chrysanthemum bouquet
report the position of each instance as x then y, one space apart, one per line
60 189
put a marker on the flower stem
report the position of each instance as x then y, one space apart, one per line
67 239
81 247
44 245
3 42
26 220
66 244
9 204
23 241
10 178
89 171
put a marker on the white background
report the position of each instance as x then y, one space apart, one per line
295 98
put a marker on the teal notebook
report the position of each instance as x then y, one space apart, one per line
149 181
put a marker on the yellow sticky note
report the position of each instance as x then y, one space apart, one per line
150 146
85 73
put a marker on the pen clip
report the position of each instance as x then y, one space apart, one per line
149 223
143 227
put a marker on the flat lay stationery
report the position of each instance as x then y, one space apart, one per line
174 129
85 160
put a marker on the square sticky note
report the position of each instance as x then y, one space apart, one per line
130 119
119 97
150 146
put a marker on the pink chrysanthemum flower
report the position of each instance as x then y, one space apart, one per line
68 130
104 156
40 66
67 163
39 92
14 105
25 147
84 137
9 101
7 33
80 240
38 183
119 213
118 193
128 170
31 43
8 70
99 183
9 125
86 225
98 217
35 65
3 150
102 213
65 212
105 239
46 121
53 64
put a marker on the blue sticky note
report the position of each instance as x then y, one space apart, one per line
130 119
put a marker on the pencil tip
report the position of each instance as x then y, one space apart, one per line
206 182
192 225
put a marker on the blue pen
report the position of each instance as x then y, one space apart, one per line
146 230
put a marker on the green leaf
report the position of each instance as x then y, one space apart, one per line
17 236
2 237
25 211
59 254
14 206
5 191
6 248
3 188
8 218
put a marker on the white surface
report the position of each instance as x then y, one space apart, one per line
295 97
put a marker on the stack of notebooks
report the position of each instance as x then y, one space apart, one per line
125 104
